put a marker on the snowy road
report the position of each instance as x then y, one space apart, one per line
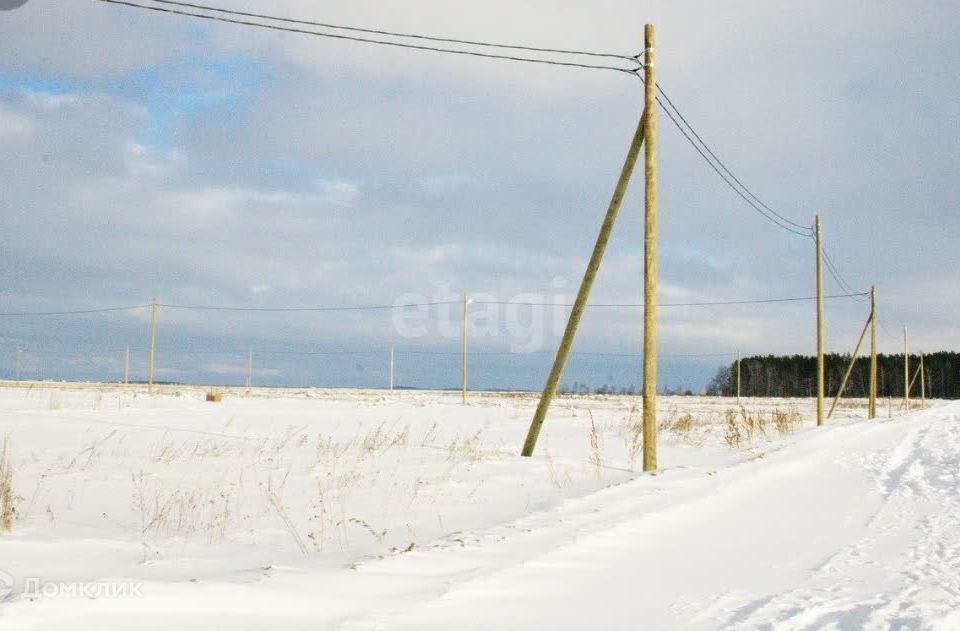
852 526
857 527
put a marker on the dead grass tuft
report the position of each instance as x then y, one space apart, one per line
7 509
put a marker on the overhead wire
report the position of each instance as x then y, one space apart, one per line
720 168
715 303
431 38
40 314
837 276
308 309
348 308
380 42
666 103
744 192
724 166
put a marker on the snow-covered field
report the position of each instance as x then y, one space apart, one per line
314 509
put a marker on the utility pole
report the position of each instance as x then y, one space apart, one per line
583 293
819 246
853 362
250 367
463 352
872 405
923 385
391 368
153 344
906 372
19 355
126 366
738 377
650 253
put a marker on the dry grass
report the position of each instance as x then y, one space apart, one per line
743 426
7 509
596 448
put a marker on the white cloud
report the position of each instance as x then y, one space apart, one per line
405 172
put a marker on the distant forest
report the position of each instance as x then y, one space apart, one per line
796 376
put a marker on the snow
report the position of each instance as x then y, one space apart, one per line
323 509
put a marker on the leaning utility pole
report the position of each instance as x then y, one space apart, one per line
650 254
872 405
819 247
853 362
153 344
583 293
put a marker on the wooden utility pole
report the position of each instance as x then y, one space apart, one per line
650 253
153 344
391 369
872 405
853 361
906 372
126 366
738 377
250 367
463 352
923 384
819 281
583 293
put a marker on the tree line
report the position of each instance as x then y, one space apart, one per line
796 376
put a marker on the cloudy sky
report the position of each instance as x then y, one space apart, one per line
147 155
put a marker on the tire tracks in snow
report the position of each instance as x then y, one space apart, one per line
604 519
910 541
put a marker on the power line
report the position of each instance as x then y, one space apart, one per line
765 210
835 273
721 169
677 304
307 309
349 308
430 38
170 354
452 51
724 166
39 314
